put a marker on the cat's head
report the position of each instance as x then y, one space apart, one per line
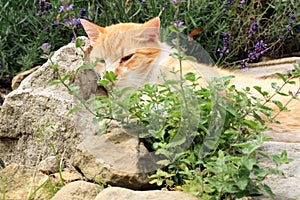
128 49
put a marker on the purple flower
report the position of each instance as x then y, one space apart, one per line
68 22
42 3
292 16
220 52
229 2
71 7
242 2
55 24
226 44
177 1
260 46
178 24
254 28
73 39
82 12
61 9
281 37
47 29
165 6
77 22
260 49
252 56
43 7
201 171
291 23
46 47
74 21
1 65
143 1
243 65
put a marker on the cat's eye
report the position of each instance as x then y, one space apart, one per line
100 60
126 58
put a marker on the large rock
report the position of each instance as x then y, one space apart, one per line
270 67
36 114
21 182
287 187
116 193
116 158
35 117
78 190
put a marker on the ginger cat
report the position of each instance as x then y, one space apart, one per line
133 51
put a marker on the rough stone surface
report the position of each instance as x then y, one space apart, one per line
49 165
34 118
269 68
19 182
78 190
288 187
35 114
116 193
115 158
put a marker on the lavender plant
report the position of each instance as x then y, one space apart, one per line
25 27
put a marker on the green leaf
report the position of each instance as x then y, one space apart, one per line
191 58
163 162
71 111
249 162
78 42
54 82
176 55
55 66
230 187
258 89
111 76
251 148
174 29
279 105
83 67
103 82
159 182
284 78
275 86
252 124
169 182
284 158
74 89
242 183
190 77
153 181
63 79
268 190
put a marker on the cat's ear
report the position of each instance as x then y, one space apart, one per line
152 27
92 30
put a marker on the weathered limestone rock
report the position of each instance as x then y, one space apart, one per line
35 114
34 117
287 187
270 67
78 190
20 182
49 165
115 158
16 81
116 193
